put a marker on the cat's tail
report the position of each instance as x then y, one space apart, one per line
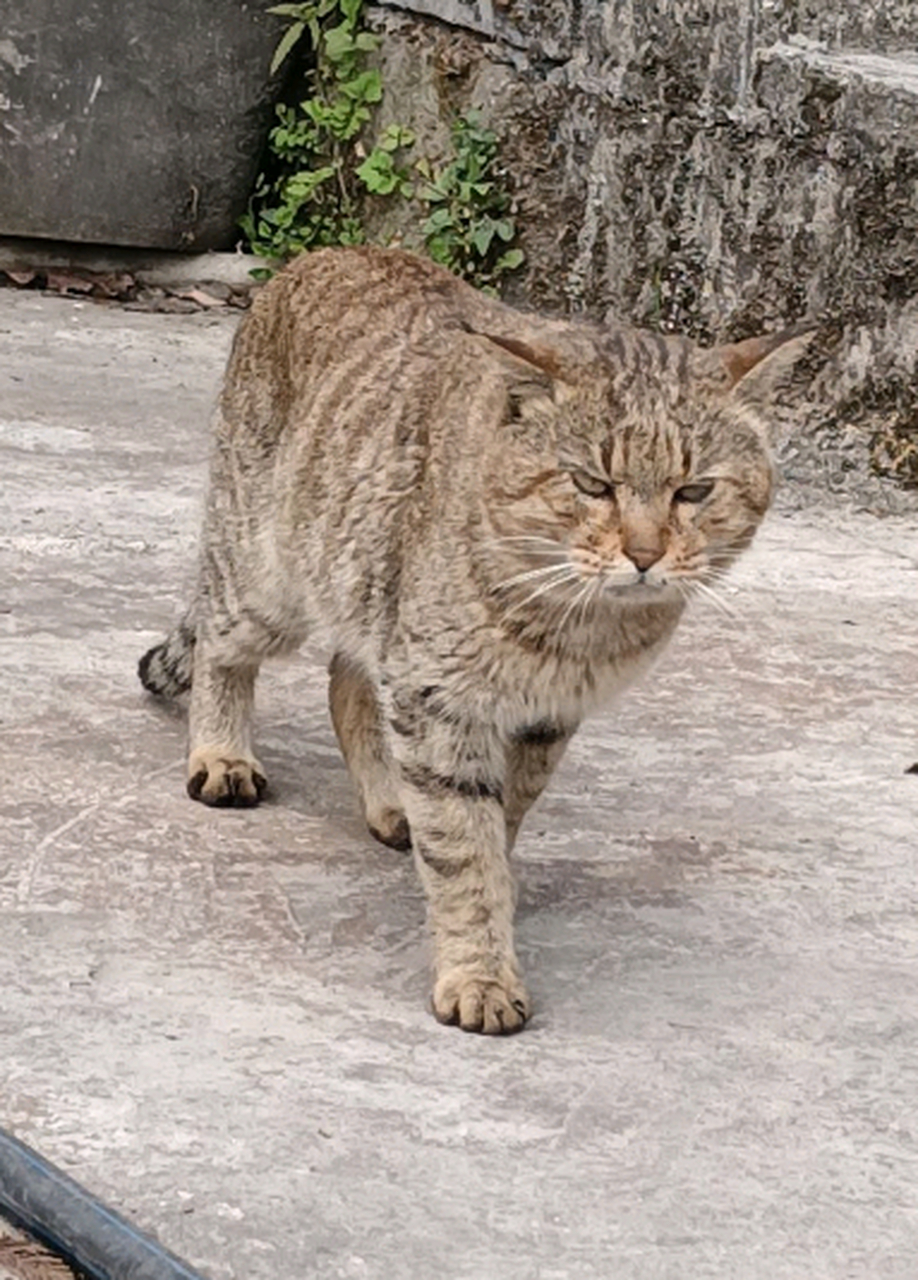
166 668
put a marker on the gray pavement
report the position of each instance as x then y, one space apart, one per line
217 1021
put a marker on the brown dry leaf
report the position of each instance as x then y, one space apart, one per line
68 282
175 306
114 286
20 277
201 298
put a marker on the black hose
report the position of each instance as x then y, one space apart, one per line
71 1223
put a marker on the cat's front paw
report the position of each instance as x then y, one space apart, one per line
494 1006
390 826
216 778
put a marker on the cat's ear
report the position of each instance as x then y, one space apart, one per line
541 359
535 378
754 366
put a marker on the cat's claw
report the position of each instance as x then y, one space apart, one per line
224 781
491 1006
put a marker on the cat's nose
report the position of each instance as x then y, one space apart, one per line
644 557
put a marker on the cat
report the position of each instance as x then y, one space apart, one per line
497 517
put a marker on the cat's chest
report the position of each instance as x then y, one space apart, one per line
514 681
560 692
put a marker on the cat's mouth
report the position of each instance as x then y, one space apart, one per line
640 587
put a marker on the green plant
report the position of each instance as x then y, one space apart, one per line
469 226
380 172
319 175
310 195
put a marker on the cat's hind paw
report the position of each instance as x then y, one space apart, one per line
227 782
493 1006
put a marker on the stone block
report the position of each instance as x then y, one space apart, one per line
132 124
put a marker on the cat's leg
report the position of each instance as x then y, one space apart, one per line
452 779
222 768
532 757
165 670
232 637
355 713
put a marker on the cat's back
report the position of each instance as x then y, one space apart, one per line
384 279
330 299
361 333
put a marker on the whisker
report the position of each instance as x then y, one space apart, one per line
715 598
578 597
527 575
715 576
589 600
533 554
522 537
715 569
527 544
567 575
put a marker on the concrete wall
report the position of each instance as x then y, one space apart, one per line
715 167
124 122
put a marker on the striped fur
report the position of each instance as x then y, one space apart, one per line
496 517
166 668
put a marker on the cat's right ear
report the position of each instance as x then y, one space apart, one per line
539 359
533 376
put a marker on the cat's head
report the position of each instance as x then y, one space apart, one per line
636 463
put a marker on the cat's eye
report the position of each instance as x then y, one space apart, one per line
694 493
592 486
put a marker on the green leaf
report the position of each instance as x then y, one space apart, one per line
347 121
290 10
395 136
302 186
384 185
338 43
505 229
510 260
366 87
439 219
482 235
440 250
442 185
378 173
288 40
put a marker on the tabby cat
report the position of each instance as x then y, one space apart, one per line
497 518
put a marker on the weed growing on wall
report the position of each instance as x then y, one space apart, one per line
469 226
319 172
308 195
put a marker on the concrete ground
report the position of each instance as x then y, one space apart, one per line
217 1020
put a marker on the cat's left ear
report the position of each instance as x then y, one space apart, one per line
755 365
